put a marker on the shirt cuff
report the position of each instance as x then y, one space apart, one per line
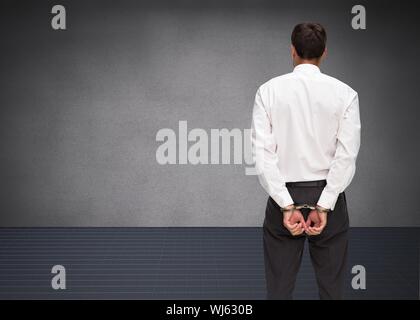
283 199
328 199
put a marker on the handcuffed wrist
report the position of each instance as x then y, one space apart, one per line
288 208
322 210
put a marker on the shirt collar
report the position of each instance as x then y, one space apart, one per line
307 68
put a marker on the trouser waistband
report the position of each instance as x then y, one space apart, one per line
316 183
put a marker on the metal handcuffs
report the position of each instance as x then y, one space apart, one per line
305 206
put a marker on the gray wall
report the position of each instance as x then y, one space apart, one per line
80 108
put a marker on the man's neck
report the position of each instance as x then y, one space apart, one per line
315 62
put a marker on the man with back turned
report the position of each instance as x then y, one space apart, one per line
306 138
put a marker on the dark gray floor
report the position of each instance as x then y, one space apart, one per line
187 263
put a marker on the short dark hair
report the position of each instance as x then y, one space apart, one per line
309 40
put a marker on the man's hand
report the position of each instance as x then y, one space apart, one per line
315 223
294 222
313 219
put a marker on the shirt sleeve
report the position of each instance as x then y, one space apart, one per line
343 166
264 148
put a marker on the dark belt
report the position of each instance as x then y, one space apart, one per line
297 184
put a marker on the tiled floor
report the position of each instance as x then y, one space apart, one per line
187 263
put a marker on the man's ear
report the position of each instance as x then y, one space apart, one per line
293 51
325 53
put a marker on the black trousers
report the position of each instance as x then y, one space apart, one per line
283 252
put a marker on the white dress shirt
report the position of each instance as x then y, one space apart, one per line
306 126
